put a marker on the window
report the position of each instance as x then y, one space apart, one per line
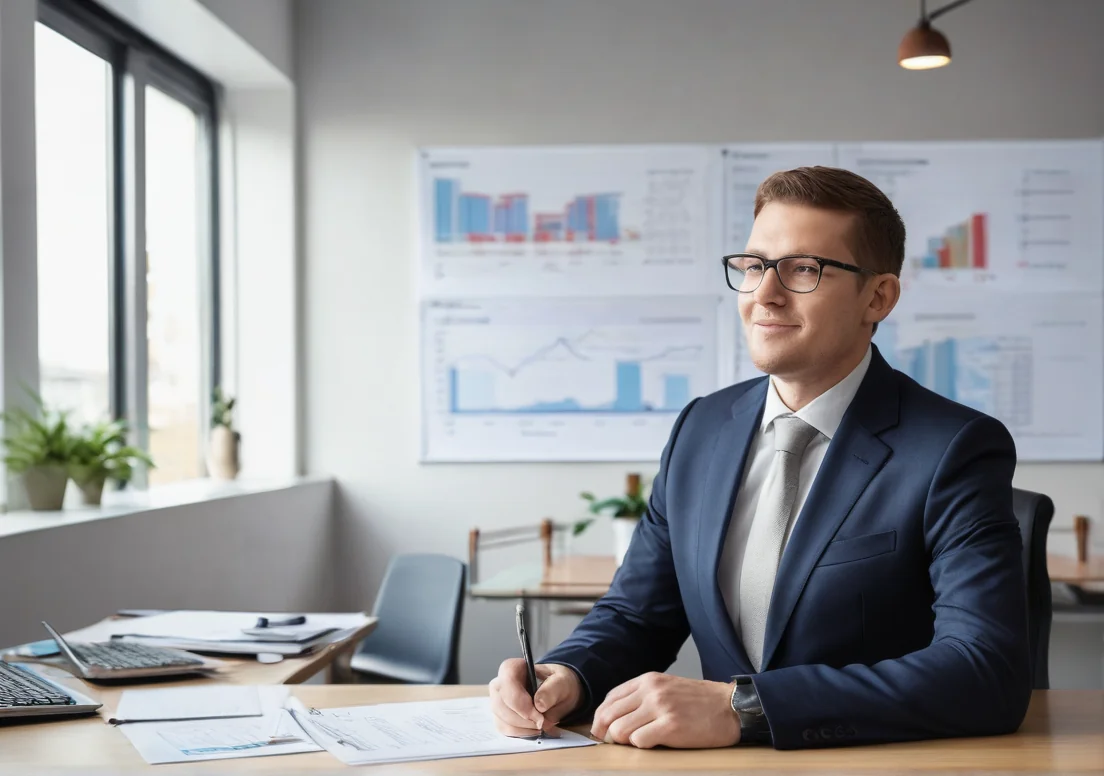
127 258
73 125
172 293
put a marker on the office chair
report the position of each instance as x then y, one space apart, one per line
417 640
1034 512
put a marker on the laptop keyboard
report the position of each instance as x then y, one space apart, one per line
22 688
122 654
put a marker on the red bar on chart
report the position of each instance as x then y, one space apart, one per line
944 256
978 242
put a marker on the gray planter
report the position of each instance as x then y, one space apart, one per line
45 486
92 491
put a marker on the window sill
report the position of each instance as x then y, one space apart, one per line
129 502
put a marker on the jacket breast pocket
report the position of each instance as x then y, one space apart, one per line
858 548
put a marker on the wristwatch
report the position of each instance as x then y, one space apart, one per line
754 728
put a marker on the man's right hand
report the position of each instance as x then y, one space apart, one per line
514 711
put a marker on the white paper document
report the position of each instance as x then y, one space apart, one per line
179 703
273 732
407 732
224 632
218 739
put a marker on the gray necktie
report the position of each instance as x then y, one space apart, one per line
768 531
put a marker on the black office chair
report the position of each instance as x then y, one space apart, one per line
417 640
1034 512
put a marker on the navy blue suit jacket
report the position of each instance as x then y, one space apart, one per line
899 608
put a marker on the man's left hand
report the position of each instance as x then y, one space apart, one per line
661 710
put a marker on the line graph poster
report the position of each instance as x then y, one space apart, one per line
1019 216
747 165
562 379
1032 361
565 221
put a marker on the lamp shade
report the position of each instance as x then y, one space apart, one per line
923 48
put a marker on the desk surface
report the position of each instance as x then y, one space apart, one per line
574 578
246 669
1065 568
587 577
1063 732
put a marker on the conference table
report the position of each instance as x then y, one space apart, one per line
1063 733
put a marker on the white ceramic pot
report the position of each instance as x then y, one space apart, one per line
623 528
223 453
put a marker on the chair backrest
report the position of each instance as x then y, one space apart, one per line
420 605
1034 512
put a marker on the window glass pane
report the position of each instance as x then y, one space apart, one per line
72 125
173 256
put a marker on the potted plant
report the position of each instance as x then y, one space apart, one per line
224 446
37 448
626 510
100 453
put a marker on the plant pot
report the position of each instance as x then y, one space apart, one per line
91 491
223 453
623 528
45 487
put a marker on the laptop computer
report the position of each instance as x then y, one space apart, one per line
26 693
126 660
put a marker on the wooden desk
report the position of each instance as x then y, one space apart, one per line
290 670
573 578
588 577
1063 732
1065 568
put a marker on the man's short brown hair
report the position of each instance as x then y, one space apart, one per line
878 238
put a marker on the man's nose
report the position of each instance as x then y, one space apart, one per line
770 289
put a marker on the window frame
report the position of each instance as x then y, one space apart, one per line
138 62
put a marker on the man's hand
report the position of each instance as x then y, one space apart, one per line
661 710
514 711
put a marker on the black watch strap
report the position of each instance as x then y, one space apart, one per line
754 728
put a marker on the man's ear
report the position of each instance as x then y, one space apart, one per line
886 293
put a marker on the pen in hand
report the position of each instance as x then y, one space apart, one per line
527 654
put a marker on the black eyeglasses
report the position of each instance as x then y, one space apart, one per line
799 273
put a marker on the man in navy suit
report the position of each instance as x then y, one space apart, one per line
838 540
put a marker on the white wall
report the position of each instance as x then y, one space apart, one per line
376 78
263 24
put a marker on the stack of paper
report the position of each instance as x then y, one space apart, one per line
408 732
227 632
191 724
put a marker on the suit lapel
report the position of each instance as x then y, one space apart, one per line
853 458
726 468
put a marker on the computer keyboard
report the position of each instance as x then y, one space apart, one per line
121 654
22 688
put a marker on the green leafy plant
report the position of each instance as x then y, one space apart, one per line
40 439
222 407
100 452
633 504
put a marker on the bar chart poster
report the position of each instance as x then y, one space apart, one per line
565 221
1034 362
747 165
570 379
1014 216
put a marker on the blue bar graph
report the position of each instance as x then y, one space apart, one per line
630 396
446 193
474 391
676 392
466 216
943 369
